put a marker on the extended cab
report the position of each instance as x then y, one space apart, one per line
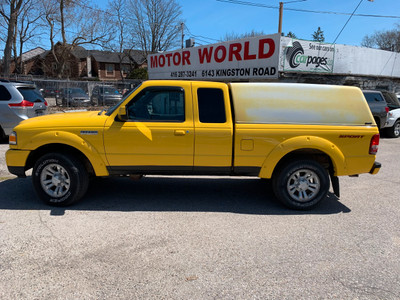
298 135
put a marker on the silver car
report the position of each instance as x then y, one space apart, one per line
74 97
18 101
105 95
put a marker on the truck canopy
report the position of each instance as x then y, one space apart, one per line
307 104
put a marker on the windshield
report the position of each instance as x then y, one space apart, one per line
113 108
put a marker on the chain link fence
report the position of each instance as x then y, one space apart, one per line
70 94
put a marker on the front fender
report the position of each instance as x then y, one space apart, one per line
303 142
73 140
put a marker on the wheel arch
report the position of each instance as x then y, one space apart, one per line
59 148
305 147
48 141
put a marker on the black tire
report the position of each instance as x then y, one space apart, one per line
394 131
301 185
93 102
3 137
60 179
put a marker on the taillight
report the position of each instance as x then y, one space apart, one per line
23 103
387 109
45 103
373 147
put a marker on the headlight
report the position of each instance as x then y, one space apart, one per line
12 139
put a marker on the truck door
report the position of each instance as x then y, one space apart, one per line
158 136
213 128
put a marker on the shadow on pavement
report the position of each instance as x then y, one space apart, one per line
233 195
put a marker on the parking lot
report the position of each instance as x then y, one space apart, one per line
202 238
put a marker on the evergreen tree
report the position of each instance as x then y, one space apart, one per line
318 35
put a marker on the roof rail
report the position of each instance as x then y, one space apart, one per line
22 81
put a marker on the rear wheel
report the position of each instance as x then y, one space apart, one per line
60 179
301 184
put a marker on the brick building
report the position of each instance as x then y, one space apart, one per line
78 62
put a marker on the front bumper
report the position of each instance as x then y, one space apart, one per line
375 168
16 161
19 171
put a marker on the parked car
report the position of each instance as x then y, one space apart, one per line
391 100
73 97
392 126
378 106
18 101
50 92
105 95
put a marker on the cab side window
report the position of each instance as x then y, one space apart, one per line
158 104
211 105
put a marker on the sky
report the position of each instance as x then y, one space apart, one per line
208 21
211 20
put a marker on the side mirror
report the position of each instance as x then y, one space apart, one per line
122 115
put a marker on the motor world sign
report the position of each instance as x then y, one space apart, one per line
307 56
255 57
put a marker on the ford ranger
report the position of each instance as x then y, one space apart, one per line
300 136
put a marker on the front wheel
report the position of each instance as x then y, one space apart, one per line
59 179
301 184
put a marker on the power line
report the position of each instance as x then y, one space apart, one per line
201 36
347 22
305 10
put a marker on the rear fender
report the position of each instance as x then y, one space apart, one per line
303 142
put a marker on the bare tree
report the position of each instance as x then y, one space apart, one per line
27 29
10 10
386 40
156 23
123 39
72 24
236 36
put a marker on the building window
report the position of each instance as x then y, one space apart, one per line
125 69
109 69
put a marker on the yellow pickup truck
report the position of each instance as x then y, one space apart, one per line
298 135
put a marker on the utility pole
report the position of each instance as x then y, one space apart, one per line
182 34
280 17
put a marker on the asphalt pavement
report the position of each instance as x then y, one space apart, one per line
202 238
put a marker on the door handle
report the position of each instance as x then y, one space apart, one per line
179 132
